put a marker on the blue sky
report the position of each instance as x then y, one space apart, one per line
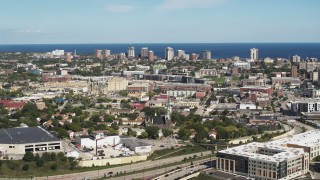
158 21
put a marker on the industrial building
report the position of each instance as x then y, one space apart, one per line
15 142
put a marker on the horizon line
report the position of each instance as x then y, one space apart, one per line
164 43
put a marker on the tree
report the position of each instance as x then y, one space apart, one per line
40 162
184 134
25 167
153 131
54 167
53 156
28 156
115 126
144 135
166 132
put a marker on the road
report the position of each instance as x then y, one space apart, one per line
127 168
164 171
178 173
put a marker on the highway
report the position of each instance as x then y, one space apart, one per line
126 168
162 173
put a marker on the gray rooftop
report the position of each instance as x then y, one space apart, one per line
25 135
133 142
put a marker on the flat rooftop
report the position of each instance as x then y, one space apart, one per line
308 139
250 151
26 135
133 142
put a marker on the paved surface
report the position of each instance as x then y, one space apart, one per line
126 168
181 172
153 173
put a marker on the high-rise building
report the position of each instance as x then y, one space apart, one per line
296 58
294 71
97 53
151 56
131 51
106 53
206 55
144 52
254 54
194 57
180 54
68 57
169 53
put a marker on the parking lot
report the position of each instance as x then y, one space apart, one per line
162 143
104 152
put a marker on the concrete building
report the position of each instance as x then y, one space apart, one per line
151 56
296 58
254 54
180 54
243 65
256 90
15 142
307 105
285 80
207 72
106 53
58 52
144 53
131 52
117 84
136 145
68 57
97 53
184 87
264 161
294 71
169 53
206 55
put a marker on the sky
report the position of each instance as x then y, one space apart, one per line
158 21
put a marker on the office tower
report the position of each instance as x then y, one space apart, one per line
144 52
254 54
151 56
206 55
68 57
131 51
294 71
194 57
169 53
296 58
180 54
106 53
97 53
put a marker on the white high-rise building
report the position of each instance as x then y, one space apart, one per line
58 52
296 58
254 54
180 53
206 55
169 53
131 51
144 52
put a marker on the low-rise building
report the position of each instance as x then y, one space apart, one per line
15 142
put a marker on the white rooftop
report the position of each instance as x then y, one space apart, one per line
250 151
309 139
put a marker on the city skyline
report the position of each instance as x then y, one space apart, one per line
161 21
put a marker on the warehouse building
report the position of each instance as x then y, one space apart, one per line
15 142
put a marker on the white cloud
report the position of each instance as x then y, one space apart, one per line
169 5
29 31
118 8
